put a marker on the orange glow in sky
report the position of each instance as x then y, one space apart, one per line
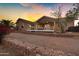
33 17
29 11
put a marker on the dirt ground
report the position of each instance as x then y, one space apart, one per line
61 43
6 51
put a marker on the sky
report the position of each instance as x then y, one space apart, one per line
31 11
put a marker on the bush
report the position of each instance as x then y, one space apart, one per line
73 29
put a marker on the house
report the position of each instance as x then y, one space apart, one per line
76 22
24 25
73 26
49 23
45 23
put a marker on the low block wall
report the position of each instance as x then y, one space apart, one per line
26 49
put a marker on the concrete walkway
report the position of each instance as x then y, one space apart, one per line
65 44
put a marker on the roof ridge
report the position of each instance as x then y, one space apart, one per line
23 19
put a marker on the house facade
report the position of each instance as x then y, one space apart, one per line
23 25
44 23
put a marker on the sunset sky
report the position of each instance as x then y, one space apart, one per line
30 11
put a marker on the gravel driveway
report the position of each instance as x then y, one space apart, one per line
65 44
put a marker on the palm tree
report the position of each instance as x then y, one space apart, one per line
7 23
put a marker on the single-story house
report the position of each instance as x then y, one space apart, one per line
44 23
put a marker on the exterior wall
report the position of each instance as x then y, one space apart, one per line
69 25
23 26
47 27
51 26
38 26
44 26
56 27
76 22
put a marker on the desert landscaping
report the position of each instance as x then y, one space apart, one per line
32 44
44 29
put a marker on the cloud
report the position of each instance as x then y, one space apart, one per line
36 7
26 4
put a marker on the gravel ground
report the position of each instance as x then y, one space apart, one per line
6 51
66 44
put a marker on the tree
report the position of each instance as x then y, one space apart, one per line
7 23
61 23
73 13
